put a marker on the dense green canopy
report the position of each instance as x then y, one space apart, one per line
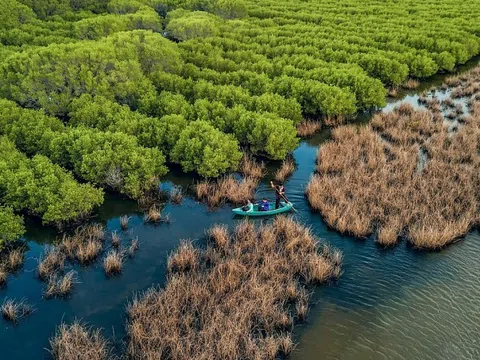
111 91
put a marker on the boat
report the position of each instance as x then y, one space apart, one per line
285 207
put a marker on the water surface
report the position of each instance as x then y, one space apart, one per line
395 303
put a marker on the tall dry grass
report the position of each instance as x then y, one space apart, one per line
227 189
113 262
238 298
3 275
176 195
404 175
13 310
60 286
14 260
51 261
78 342
124 219
286 170
251 168
308 127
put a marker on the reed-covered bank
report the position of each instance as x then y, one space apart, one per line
409 173
238 298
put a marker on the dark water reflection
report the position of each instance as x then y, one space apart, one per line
389 304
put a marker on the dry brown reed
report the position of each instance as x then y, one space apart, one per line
308 127
51 261
124 219
393 92
88 251
286 170
14 260
60 286
411 84
154 215
176 195
115 239
113 263
13 310
235 299
77 341
227 189
133 247
3 276
404 175
249 167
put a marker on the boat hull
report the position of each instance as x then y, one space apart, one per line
285 207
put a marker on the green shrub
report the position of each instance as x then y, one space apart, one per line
206 150
11 226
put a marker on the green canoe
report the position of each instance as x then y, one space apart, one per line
285 207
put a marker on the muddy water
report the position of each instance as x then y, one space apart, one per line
389 304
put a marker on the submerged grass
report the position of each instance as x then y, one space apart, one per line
238 298
405 175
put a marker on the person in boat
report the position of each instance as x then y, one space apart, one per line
264 205
248 207
279 193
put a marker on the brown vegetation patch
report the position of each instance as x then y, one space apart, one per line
124 219
227 189
249 167
133 247
286 170
79 342
235 299
3 276
13 310
155 216
113 263
411 84
60 286
14 260
53 260
403 175
176 195
308 127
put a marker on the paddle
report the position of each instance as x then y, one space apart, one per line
282 196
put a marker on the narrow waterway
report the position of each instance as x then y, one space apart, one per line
395 303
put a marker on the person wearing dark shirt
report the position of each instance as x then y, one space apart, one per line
279 193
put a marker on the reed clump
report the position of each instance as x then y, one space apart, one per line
155 216
58 287
124 219
115 239
251 168
308 127
79 342
3 276
176 195
403 176
133 247
286 170
411 84
14 260
235 299
227 189
13 310
113 263
52 260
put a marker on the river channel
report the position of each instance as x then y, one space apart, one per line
398 303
